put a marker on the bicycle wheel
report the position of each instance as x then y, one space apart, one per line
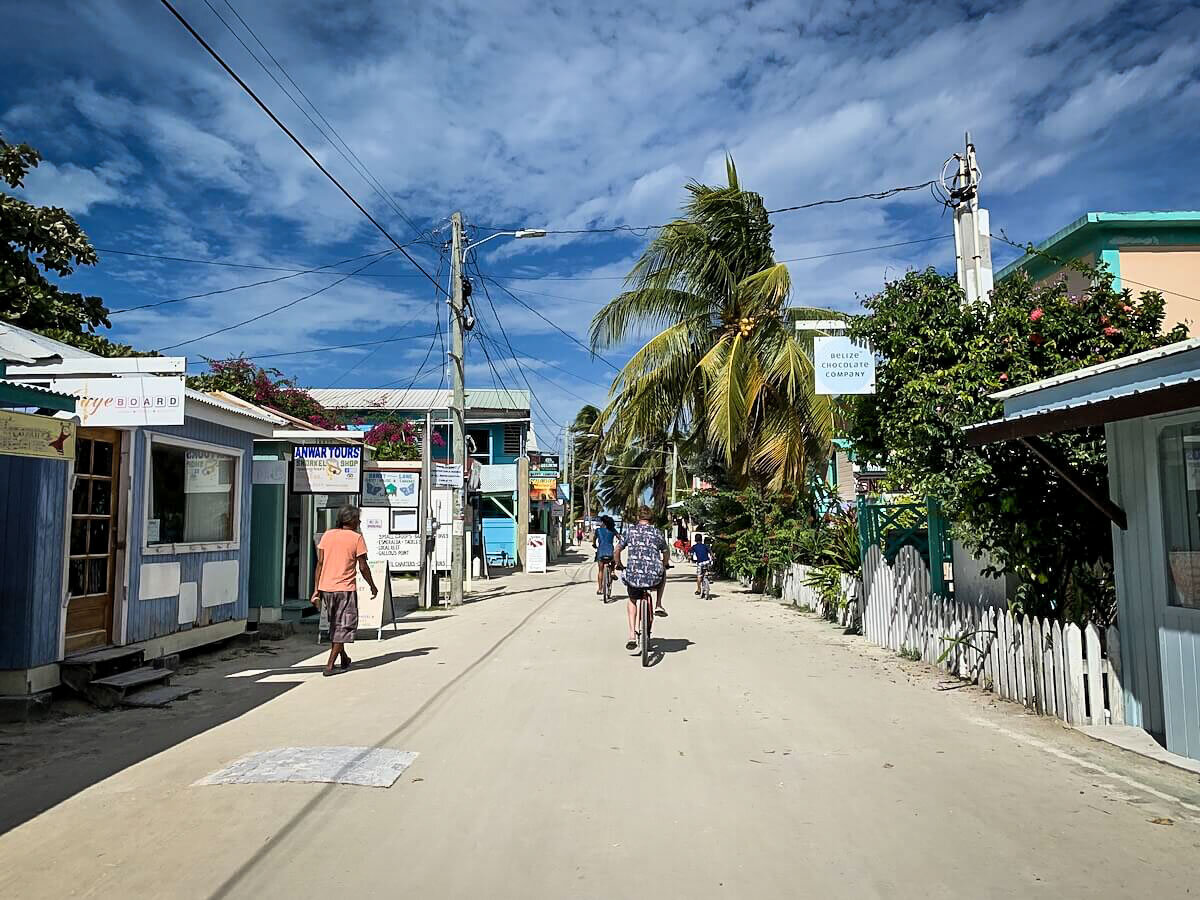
647 616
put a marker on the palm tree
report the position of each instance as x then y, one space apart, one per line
587 440
722 360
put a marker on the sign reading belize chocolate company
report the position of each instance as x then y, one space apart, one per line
326 469
22 434
841 366
115 402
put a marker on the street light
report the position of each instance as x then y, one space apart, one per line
460 537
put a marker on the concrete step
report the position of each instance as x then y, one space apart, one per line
157 697
108 692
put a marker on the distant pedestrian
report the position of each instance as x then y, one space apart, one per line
341 550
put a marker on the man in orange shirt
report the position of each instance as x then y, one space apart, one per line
340 550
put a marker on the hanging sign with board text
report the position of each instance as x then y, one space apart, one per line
842 366
133 401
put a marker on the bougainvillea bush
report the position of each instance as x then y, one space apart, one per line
264 387
939 360
398 440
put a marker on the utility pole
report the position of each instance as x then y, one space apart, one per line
568 446
458 419
425 598
972 227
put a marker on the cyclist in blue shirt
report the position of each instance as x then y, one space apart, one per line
703 557
603 542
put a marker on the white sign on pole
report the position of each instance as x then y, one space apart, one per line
382 488
447 475
535 553
116 402
327 469
843 367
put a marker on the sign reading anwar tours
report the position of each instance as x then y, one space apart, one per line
326 469
841 366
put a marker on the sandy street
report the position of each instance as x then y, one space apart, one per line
764 755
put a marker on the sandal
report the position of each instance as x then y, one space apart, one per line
345 663
660 612
328 672
631 645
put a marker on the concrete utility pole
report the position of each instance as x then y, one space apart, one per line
972 227
458 407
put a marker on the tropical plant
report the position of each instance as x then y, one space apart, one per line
941 360
395 440
587 455
265 387
627 476
36 241
722 357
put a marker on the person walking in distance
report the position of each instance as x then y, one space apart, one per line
341 550
646 556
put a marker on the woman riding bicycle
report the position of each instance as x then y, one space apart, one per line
603 542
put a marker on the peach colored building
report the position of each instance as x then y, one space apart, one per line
1144 250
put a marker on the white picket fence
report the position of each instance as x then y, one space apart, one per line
793 589
1052 669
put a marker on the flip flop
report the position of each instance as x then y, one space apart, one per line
631 645
660 612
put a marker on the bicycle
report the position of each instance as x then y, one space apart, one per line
645 619
607 577
705 584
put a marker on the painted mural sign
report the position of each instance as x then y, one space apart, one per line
326 469
395 489
22 434
841 366
123 402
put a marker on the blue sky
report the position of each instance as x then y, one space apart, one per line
567 116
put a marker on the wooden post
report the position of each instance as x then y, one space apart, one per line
1060 672
522 508
1035 654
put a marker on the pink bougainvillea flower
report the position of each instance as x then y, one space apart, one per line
1126 308
1036 314
1004 376
1035 339
1112 332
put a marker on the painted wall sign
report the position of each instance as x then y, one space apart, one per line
543 489
843 367
117 402
22 434
326 469
397 489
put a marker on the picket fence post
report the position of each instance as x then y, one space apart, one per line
1076 712
1116 686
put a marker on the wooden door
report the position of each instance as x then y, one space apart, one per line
91 568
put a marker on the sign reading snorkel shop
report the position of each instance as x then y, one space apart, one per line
326 469
841 366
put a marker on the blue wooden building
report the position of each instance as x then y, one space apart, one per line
1149 405
144 540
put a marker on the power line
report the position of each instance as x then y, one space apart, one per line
365 173
539 374
642 230
520 370
540 315
411 337
502 277
394 333
274 118
270 311
242 287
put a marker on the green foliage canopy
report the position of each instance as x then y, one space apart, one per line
939 360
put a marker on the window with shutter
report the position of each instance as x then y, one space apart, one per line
512 439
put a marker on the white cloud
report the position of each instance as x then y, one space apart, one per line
77 189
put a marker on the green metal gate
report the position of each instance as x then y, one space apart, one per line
893 526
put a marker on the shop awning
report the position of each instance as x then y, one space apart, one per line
1163 380
19 396
1157 381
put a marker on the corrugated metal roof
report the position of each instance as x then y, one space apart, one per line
417 398
36 347
236 409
